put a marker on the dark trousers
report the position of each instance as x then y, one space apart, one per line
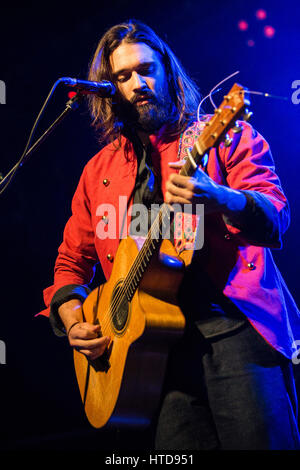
230 392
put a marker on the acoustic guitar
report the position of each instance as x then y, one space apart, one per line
138 306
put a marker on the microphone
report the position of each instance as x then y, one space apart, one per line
104 89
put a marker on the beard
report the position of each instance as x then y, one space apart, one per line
148 117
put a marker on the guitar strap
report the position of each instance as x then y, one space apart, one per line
185 224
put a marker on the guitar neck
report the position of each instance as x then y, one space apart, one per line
191 163
158 230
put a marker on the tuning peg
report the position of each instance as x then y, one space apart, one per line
237 128
227 141
247 115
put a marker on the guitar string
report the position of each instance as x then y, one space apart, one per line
136 266
139 259
212 91
111 312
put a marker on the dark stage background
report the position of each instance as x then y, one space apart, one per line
40 405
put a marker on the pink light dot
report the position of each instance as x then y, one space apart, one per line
261 14
250 43
243 25
269 31
71 94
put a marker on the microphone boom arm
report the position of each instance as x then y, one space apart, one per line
71 105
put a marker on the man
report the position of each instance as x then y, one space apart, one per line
229 382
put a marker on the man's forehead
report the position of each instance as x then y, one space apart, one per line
129 55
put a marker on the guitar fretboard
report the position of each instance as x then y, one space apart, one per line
158 230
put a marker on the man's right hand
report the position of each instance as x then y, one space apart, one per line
83 336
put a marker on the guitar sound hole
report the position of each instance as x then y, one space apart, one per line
120 308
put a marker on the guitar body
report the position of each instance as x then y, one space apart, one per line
140 339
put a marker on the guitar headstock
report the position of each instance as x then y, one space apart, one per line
231 108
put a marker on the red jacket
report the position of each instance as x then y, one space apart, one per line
240 262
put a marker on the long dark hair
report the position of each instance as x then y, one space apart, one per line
183 91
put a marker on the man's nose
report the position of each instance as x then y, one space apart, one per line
138 81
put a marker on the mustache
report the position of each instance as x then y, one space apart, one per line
142 96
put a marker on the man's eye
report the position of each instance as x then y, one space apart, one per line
147 69
123 78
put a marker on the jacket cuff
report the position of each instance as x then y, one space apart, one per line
258 221
62 295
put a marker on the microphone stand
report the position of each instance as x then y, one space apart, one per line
71 105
